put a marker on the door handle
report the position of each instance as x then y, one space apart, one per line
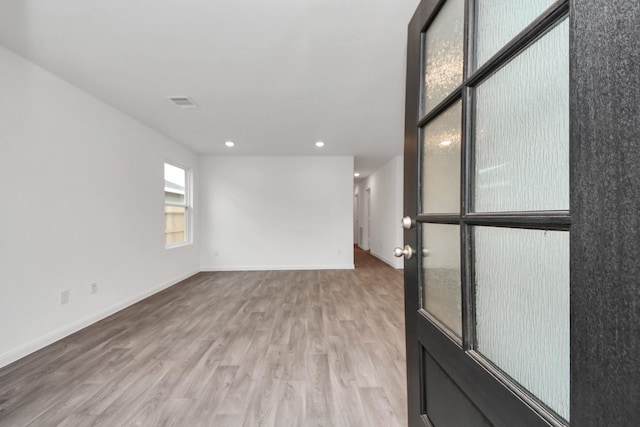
407 223
405 252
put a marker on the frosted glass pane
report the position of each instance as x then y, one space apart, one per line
441 295
499 21
441 162
522 130
522 308
443 55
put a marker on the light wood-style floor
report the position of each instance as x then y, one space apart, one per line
278 348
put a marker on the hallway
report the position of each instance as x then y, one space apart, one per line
269 348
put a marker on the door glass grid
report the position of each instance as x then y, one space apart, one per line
432 274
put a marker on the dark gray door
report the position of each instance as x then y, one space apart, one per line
522 192
488 190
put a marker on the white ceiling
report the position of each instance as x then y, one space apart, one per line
272 76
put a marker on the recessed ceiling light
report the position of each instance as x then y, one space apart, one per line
357 174
319 144
445 143
229 143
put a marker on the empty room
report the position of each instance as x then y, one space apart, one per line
319 213
164 141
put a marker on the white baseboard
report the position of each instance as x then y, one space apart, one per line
280 267
393 262
35 345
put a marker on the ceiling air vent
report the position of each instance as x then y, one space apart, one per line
183 102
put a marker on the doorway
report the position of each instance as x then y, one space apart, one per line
356 221
367 219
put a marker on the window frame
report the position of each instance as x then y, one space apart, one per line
187 205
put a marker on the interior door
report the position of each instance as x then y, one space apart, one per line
487 195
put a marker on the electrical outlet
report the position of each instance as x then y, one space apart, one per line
94 288
64 297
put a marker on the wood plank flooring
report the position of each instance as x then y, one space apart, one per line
277 348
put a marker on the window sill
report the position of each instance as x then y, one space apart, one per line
178 245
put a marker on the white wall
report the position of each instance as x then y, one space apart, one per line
386 187
81 191
268 213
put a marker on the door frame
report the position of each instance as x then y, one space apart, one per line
356 220
605 206
367 219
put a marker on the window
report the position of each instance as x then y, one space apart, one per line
176 205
